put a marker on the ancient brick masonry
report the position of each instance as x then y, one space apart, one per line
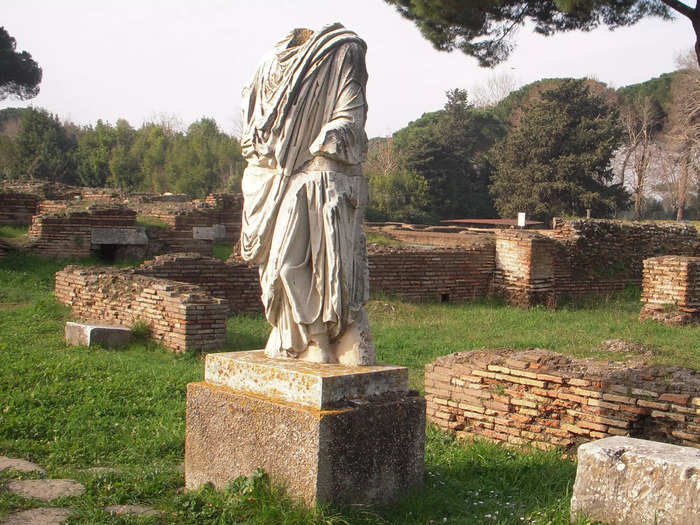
524 271
181 316
17 208
546 399
581 257
432 273
70 234
671 289
229 207
596 246
235 282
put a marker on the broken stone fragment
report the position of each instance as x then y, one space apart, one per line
627 481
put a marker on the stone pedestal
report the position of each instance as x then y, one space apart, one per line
328 433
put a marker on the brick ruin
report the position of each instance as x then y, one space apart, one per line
671 289
181 316
546 399
235 282
73 234
581 257
61 219
17 208
434 273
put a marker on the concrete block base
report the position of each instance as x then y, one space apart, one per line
369 451
92 334
627 481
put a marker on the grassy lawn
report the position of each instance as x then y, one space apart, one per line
222 251
71 409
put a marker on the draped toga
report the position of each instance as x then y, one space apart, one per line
304 195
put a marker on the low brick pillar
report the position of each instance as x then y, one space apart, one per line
524 273
181 316
547 399
671 289
624 481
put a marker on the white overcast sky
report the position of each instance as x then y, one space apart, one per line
138 59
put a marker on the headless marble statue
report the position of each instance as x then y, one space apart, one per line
304 195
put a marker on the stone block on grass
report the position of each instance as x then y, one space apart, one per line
93 334
364 446
627 481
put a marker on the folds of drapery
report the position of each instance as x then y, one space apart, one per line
303 225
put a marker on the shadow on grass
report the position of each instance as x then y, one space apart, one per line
481 482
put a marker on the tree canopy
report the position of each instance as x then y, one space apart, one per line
557 160
36 145
20 75
484 29
448 149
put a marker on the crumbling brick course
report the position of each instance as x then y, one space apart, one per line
181 316
17 208
671 289
235 282
548 399
70 234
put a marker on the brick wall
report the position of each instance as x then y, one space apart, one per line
235 282
546 399
176 239
671 289
416 273
180 316
229 207
598 246
70 234
17 208
524 270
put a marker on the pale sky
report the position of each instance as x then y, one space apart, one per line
139 59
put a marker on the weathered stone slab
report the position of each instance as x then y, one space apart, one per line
368 452
216 232
19 464
627 481
120 236
46 516
310 384
92 334
45 489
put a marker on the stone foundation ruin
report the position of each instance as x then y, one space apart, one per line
547 399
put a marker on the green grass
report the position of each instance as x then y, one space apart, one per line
222 251
382 239
151 222
13 232
72 408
